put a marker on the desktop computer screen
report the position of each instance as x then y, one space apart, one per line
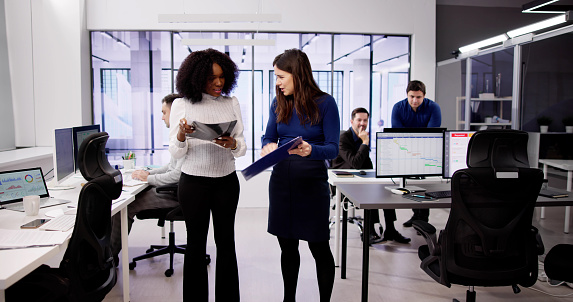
455 151
79 134
64 160
409 152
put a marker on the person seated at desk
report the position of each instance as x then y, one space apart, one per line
353 154
148 198
416 111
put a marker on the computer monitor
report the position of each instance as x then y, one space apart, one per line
64 160
455 151
408 153
79 134
556 146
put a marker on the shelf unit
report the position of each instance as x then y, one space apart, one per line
475 103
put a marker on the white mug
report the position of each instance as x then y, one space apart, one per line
31 205
129 164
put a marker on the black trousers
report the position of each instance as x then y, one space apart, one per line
201 197
389 218
421 214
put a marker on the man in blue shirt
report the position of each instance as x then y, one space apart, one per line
416 111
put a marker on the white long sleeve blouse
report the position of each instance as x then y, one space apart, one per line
205 158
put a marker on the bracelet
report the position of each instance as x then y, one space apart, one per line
235 147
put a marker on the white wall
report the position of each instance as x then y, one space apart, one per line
7 140
48 43
49 66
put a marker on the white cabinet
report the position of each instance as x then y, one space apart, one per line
477 104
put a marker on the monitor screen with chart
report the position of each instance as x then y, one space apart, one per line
79 134
409 152
455 151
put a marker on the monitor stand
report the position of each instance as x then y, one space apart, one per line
411 189
54 186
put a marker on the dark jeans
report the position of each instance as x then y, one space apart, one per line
201 197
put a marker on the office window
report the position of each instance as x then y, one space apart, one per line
136 69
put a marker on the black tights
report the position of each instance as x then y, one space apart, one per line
290 263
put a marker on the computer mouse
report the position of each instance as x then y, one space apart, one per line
362 172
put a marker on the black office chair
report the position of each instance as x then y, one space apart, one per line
162 215
87 271
488 239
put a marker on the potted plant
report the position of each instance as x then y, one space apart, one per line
568 122
544 122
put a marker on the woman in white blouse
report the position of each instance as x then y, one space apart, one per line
208 183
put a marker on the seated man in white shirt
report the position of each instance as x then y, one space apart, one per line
149 199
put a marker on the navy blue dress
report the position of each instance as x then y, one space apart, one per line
298 189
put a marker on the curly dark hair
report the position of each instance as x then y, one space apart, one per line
198 66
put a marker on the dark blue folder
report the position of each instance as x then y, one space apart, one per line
271 159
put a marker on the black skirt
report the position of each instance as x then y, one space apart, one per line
299 199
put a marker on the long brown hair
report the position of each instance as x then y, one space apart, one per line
306 90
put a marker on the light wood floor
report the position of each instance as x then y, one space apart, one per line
394 268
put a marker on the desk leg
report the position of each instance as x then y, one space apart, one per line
124 254
365 255
568 209
337 199
2 295
545 177
344 242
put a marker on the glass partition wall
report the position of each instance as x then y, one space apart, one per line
134 70
491 91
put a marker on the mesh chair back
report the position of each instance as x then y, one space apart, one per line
488 239
88 261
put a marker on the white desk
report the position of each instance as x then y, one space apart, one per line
566 165
18 263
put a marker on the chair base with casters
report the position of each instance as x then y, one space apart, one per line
170 214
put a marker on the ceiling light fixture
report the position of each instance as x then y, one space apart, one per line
532 7
357 49
484 43
537 26
218 18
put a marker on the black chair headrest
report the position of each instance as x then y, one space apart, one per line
92 160
500 149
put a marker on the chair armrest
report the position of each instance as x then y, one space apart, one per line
176 214
428 231
539 243
168 188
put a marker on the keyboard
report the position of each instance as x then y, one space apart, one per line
61 223
440 194
44 203
130 182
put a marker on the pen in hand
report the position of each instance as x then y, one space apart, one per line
422 196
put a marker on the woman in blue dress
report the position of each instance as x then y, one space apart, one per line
298 189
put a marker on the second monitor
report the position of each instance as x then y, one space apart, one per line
79 134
